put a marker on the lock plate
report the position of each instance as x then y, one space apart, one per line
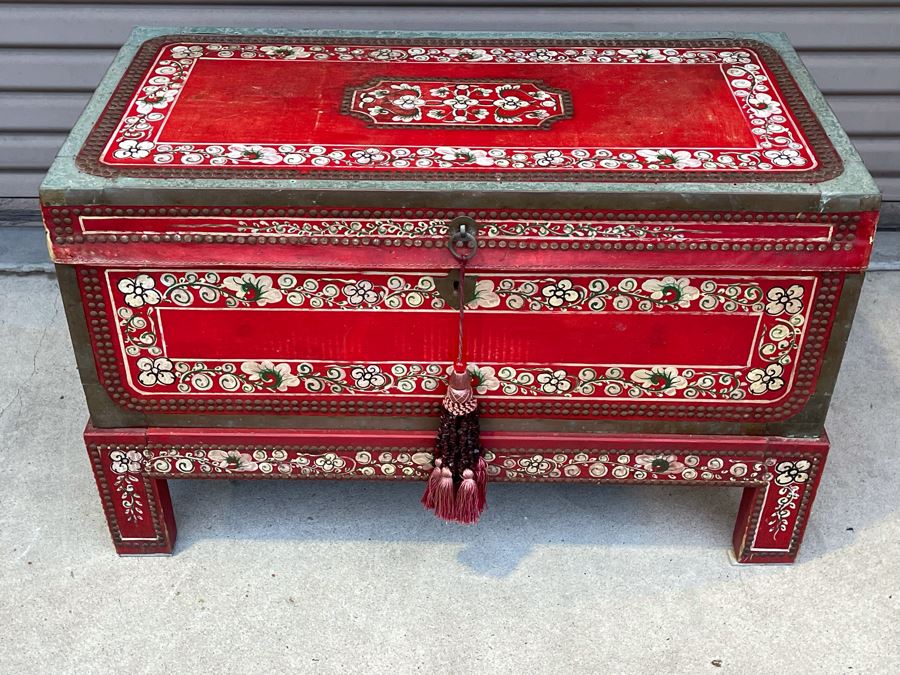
447 287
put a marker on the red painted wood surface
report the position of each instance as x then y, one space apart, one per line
617 105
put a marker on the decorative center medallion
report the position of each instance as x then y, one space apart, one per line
470 103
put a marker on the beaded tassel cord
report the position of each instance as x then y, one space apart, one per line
457 487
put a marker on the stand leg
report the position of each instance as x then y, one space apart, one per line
138 509
772 518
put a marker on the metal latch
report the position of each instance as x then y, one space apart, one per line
462 242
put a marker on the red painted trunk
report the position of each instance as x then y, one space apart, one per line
252 236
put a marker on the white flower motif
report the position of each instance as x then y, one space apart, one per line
465 156
671 291
269 375
535 465
460 102
733 57
678 159
659 379
133 149
361 292
257 154
554 382
187 52
232 460
484 295
785 300
286 52
121 461
767 379
368 156
330 462
560 293
467 54
485 378
155 98
762 105
386 54
792 472
659 463
648 55
253 289
511 103
785 157
139 291
368 377
408 102
550 158
155 371
542 54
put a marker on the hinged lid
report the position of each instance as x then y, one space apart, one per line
727 122
422 108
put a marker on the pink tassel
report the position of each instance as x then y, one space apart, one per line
431 486
444 501
467 510
481 482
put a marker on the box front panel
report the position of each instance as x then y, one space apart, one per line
593 346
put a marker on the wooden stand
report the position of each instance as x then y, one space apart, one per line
779 476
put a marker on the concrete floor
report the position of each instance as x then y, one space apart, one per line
329 577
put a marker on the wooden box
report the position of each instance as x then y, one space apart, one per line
251 234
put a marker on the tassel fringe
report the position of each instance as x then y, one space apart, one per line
444 498
457 487
481 483
467 510
431 488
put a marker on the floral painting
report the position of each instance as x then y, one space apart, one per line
781 307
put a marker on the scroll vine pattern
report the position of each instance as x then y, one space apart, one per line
126 487
416 464
436 228
789 479
781 306
784 509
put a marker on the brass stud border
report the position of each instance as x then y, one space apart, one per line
62 225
